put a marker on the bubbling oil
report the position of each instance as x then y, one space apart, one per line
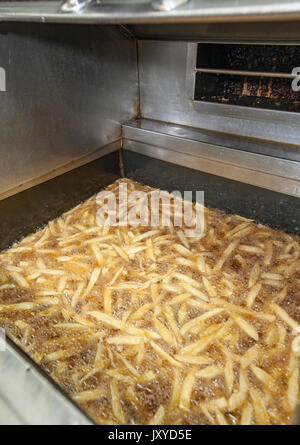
160 329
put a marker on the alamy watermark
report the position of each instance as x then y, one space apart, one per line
155 209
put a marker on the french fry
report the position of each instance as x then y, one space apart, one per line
247 411
186 391
176 390
237 398
209 288
195 321
106 319
209 372
25 306
125 340
252 294
268 253
263 376
229 375
165 355
19 279
194 360
88 395
245 326
282 314
107 300
163 331
158 417
220 418
254 275
115 402
92 282
260 411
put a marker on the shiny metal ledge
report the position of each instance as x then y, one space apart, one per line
27 397
213 153
140 11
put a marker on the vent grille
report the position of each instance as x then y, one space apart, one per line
257 76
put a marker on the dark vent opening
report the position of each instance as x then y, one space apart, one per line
257 76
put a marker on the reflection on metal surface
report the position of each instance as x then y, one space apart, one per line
275 150
141 11
262 205
69 89
281 32
74 5
97 154
268 172
28 397
167 5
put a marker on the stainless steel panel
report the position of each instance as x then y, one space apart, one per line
27 397
238 173
166 85
269 32
140 11
85 159
68 89
263 206
274 150
268 172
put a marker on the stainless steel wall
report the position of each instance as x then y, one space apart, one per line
68 89
166 71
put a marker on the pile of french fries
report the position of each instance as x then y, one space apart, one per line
144 325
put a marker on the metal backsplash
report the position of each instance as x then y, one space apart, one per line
212 153
68 88
264 206
167 90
